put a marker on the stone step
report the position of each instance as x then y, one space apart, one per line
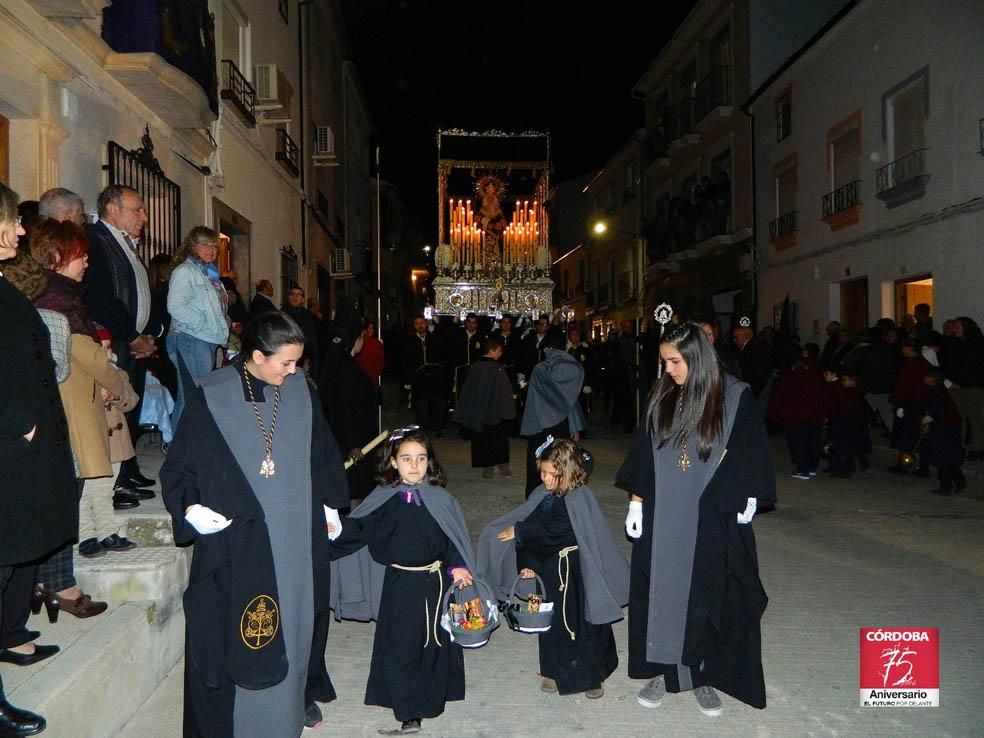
149 524
151 573
108 666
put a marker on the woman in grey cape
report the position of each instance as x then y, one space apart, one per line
698 468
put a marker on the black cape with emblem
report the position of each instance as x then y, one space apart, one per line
415 666
233 569
722 639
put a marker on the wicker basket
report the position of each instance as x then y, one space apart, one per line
471 638
525 621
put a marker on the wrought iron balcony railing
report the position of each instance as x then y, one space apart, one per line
237 90
784 225
288 153
654 146
714 91
679 119
842 198
906 169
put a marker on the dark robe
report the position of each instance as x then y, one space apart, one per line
233 569
598 580
349 401
415 667
726 600
484 404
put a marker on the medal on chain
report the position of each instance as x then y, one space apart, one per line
268 466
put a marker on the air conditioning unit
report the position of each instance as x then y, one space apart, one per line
273 93
341 263
324 147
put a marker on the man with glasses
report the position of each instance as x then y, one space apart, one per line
296 308
118 294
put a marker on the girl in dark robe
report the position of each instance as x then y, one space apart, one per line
697 471
576 655
417 532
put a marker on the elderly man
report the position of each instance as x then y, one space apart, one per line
62 205
263 299
118 294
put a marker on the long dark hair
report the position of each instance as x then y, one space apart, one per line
702 407
268 332
386 474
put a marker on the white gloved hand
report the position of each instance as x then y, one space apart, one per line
205 520
406 386
633 520
900 413
750 508
332 519
586 389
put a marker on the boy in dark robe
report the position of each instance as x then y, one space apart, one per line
485 406
941 426
847 424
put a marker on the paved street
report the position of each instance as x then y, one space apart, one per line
836 555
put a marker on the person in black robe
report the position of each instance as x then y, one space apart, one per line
698 553
552 407
348 399
423 373
577 654
485 408
416 531
260 518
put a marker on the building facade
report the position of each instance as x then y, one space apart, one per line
869 168
696 167
243 115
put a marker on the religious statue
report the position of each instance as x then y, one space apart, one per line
489 216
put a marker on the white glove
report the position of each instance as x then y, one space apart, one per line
633 520
406 386
900 413
586 389
750 508
205 520
331 518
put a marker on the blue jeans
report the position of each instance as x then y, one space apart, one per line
198 357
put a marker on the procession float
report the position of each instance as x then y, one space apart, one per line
493 255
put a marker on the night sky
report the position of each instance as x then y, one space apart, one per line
539 65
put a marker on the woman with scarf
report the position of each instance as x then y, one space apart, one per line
196 300
698 468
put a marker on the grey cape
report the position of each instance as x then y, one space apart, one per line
555 387
357 580
487 398
604 568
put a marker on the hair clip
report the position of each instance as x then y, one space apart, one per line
399 433
543 447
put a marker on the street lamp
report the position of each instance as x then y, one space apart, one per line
601 227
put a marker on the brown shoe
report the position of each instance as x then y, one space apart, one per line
548 685
595 694
83 607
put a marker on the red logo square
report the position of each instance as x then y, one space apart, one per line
900 667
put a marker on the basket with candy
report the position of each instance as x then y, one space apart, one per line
532 615
470 619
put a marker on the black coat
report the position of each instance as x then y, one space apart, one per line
260 304
39 508
726 599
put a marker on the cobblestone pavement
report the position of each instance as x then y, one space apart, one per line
836 555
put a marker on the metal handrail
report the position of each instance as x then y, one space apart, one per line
842 198
901 171
783 225
237 88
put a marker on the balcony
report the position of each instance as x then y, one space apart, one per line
238 91
784 230
842 207
288 154
902 180
714 95
680 124
654 148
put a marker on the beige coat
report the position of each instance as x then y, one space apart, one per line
87 427
120 443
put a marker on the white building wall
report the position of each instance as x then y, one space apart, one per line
873 48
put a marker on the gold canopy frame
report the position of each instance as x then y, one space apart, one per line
488 265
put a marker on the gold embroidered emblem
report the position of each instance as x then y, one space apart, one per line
260 622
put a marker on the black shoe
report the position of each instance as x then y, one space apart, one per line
312 716
26 659
91 549
124 501
116 542
135 479
406 728
130 487
16 722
